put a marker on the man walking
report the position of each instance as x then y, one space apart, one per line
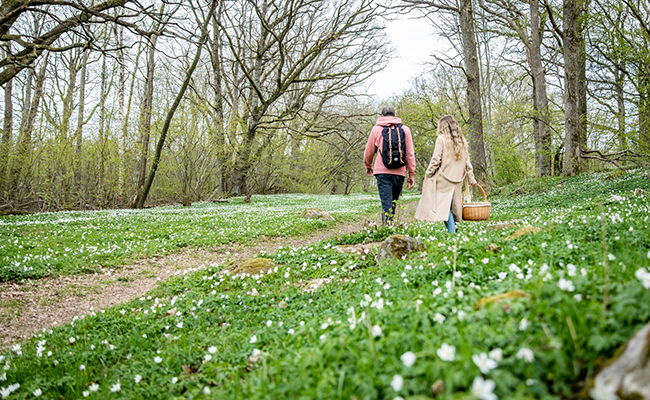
393 142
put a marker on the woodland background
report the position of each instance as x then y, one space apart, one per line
126 103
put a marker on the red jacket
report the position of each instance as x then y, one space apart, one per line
376 141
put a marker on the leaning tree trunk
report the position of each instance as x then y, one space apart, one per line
575 86
543 151
472 73
140 200
145 123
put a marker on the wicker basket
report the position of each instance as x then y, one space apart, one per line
477 210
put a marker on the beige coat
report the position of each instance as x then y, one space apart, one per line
443 185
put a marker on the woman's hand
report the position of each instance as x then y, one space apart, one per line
369 171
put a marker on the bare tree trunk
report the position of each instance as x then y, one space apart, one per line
643 87
543 149
23 150
127 158
81 115
621 116
35 101
575 86
7 131
8 122
118 32
145 122
473 75
61 181
486 95
218 107
243 162
140 200
232 125
103 132
27 99
66 114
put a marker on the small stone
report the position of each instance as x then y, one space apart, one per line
437 388
316 213
282 304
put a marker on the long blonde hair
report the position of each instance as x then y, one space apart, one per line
455 141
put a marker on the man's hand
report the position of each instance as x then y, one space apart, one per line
369 171
474 183
410 183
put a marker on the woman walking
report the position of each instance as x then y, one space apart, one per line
443 180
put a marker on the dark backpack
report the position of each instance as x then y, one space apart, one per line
393 152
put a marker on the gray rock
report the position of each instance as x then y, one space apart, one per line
398 246
628 375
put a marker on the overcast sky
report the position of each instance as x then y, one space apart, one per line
414 41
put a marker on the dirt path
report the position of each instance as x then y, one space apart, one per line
26 308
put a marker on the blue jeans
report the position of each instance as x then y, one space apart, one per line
390 187
450 223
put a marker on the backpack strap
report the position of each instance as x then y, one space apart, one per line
399 131
390 141
383 130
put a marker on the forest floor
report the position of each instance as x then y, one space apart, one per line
33 305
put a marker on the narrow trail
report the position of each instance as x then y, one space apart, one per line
32 306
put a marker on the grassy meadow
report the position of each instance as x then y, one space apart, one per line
575 285
63 243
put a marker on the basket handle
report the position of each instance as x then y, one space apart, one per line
482 191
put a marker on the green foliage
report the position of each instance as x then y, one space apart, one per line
216 335
509 165
65 243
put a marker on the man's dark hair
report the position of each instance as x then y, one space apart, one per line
388 111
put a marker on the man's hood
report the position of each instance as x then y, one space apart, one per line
388 120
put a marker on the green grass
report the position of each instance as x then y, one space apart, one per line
10 309
210 335
65 243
